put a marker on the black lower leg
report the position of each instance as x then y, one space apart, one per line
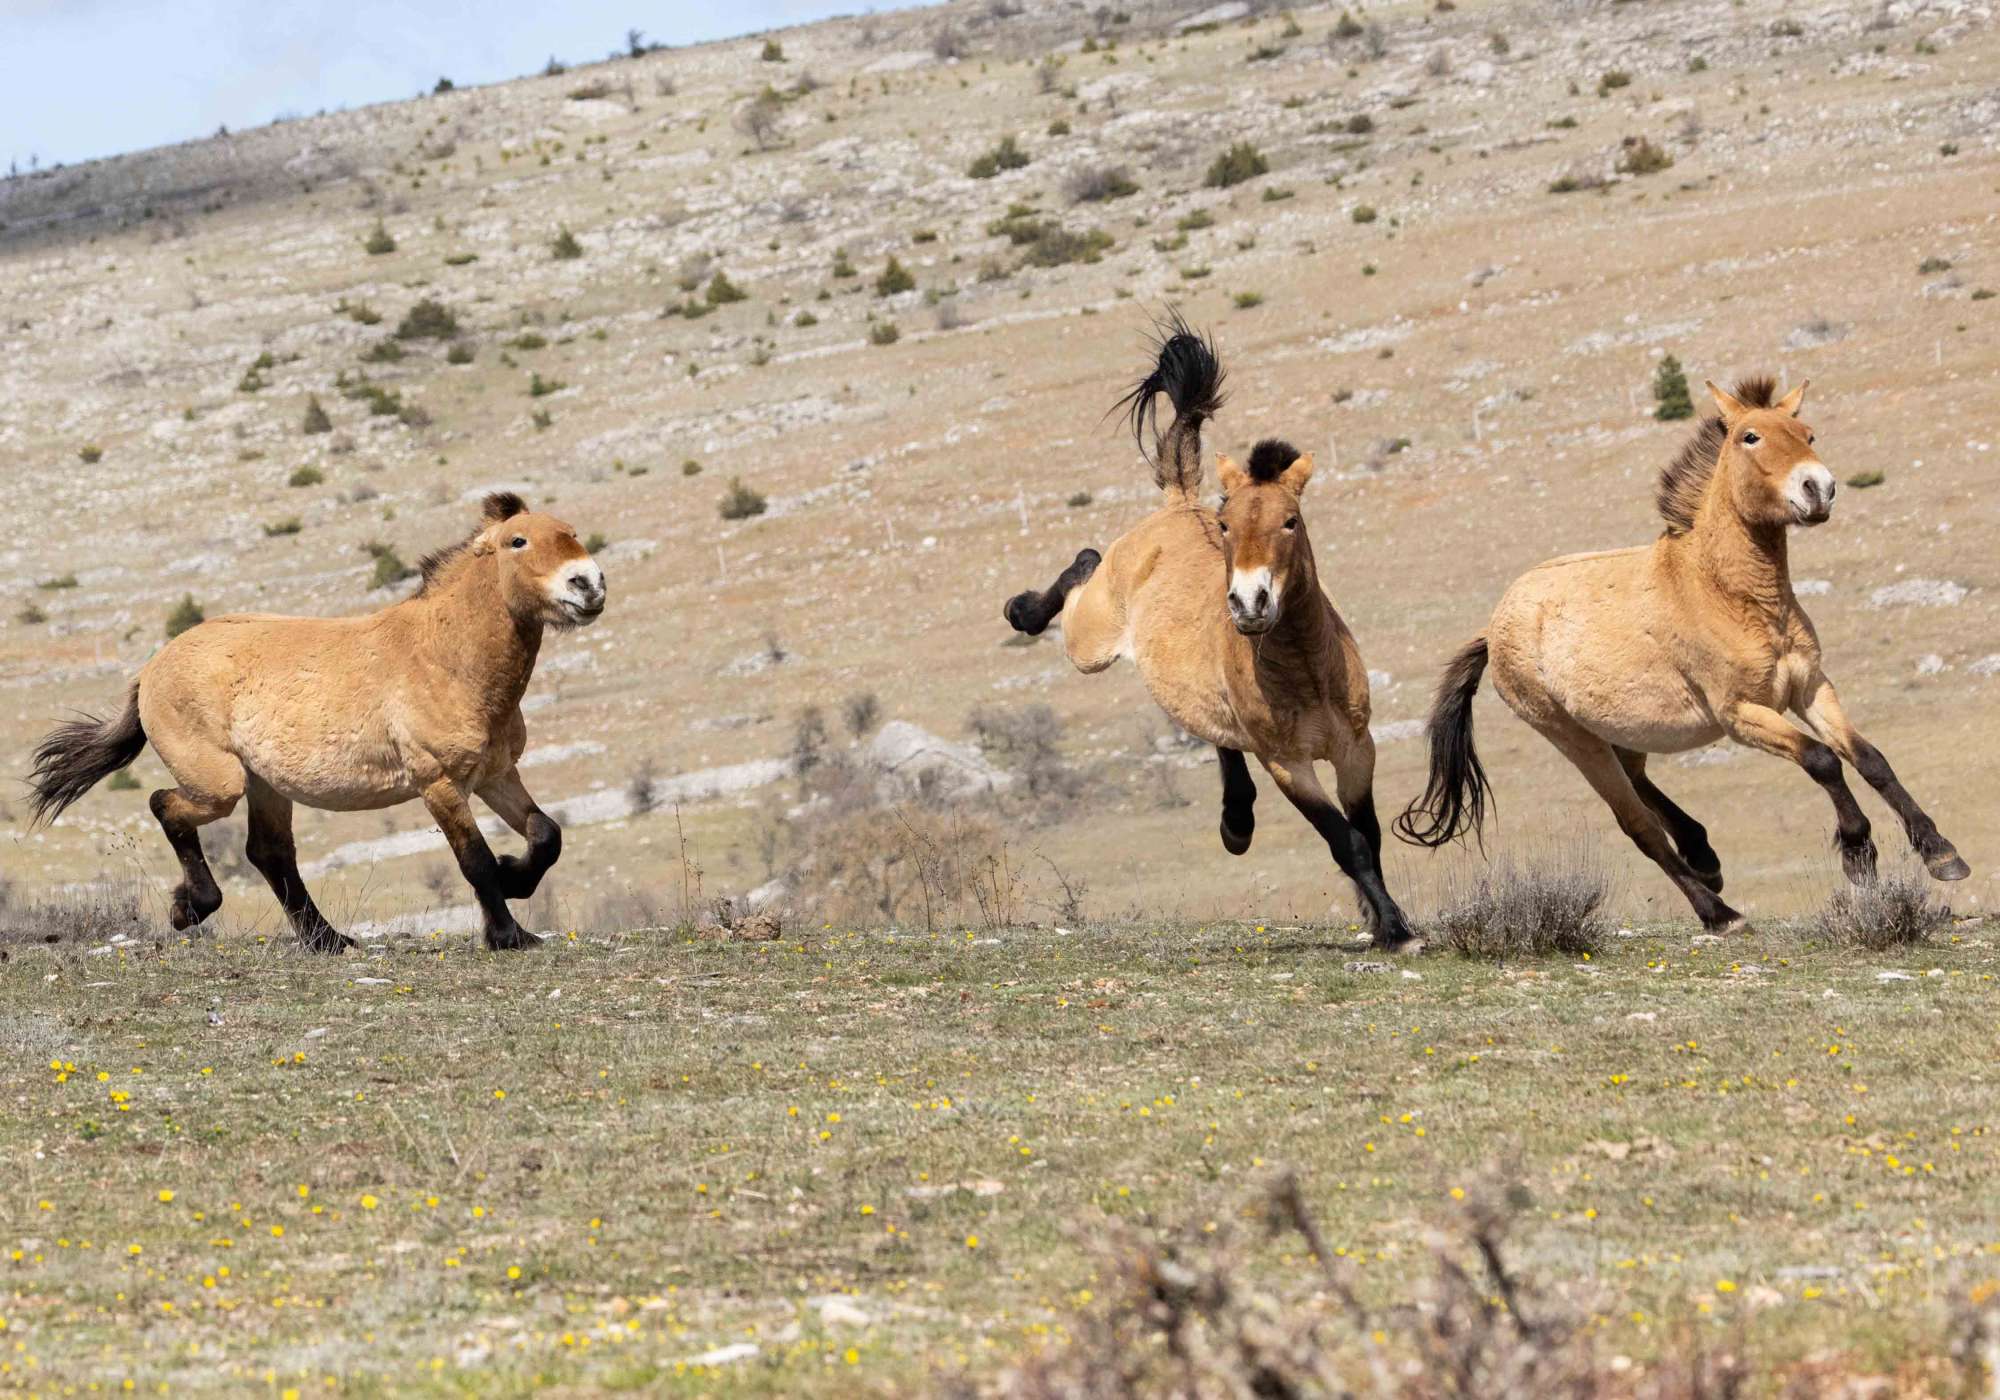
1239 801
482 871
1361 864
1032 612
1851 832
1938 854
1649 835
197 896
520 875
1690 836
278 864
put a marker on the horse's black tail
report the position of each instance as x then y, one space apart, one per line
1187 372
81 752
1454 799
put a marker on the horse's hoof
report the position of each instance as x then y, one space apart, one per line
511 940
185 913
1948 867
1234 844
1858 862
1022 614
1735 923
330 942
1409 943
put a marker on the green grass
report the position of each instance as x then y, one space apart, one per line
681 1145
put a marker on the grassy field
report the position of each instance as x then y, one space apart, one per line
889 1160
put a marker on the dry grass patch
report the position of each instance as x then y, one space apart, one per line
1896 911
1549 906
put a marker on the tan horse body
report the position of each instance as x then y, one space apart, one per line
1223 614
1696 637
419 700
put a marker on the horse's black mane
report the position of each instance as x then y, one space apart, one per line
1269 458
1683 480
498 505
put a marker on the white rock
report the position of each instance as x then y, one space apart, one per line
910 759
1919 593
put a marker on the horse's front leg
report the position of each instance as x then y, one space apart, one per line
1823 714
508 796
1760 727
1351 847
453 814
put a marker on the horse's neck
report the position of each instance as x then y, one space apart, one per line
477 640
1749 565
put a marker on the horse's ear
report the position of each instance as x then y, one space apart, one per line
1295 477
1730 408
1232 476
1792 402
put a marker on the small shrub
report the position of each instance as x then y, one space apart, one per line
895 278
1670 390
1363 214
1612 80
1642 157
316 420
1246 300
461 353
1786 28
1199 219
861 712
539 387
883 333
841 266
31 615
90 454
773 52
1550 907
1347 26
305 476
1574 181
1059 127
460 259
123 781
429 319
1240 162
1893 912
184 614
542 420
290 525
1008 155
690 467
1096 183
389 566
1055 246
529 340
596 542
739 502
565 247
1861 481
379 241
1276 194
1933 264
383 352
805 319
56 584
360 312
722 291
1079 499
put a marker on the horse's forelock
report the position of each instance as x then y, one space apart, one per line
502 505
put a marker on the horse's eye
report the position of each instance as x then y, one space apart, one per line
520 541
1751 439
1810 439
1292 524
1222 525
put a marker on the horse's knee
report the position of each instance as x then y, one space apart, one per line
544 841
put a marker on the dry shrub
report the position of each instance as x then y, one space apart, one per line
83 914
1183 1316
1549 905
1894 912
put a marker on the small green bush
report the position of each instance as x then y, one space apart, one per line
1054 246
383 352
1008 155
460 259
883 333
1670 390
739 502
61 581
895 278
316 420
461 353
539 387
184 614
1612 80
290 525
379 241
565 247
1363 214
389 566
429 319
1246 300
90 454
305 476
1861 481
774 52
1240 162
1642 157
722 291
690 467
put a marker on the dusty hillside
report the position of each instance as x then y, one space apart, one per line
1403 291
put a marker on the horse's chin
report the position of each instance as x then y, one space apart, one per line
1805 519
1258 627
566 617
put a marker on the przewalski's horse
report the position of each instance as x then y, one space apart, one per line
1667 647
421 699
1223 614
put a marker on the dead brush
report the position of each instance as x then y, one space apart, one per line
1896 911
1184 1317
80 914
1547 906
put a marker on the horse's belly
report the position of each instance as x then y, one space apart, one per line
350 773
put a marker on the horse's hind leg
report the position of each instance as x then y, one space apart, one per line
1239 799
1349 844
181 813
1600 766
476 863
1032 612
508 796
276 856
1690 836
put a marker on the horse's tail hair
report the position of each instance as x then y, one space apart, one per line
81 752
1186 371
1456 794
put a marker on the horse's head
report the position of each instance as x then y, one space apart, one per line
1769 468
1264 545
546 575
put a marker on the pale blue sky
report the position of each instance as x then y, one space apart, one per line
84 78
